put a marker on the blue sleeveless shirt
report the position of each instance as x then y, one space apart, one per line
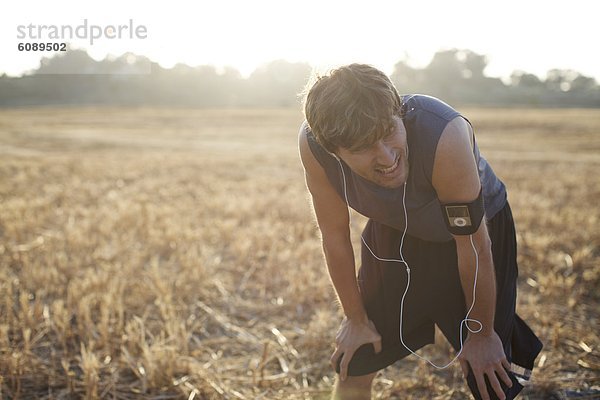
424 118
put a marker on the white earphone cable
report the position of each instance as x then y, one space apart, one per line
465 321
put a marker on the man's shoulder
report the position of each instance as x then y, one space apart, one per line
306 134
430 105
304 129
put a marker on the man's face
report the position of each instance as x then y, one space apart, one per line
385 162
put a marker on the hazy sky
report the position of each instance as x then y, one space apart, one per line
515 34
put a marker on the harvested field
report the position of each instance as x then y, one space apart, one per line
172 254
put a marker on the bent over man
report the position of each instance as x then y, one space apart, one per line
439 246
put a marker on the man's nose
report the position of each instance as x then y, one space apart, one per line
385 154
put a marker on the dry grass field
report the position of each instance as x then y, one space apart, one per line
172 254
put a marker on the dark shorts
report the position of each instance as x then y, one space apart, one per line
436 297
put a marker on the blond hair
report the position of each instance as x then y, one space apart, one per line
351 107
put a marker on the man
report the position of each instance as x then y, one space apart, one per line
411 165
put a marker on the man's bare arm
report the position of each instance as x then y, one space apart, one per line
456 179
333 219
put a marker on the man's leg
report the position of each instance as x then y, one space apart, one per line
353 388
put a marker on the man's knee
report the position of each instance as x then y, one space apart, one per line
354 387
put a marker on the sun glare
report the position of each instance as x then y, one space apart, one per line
244 35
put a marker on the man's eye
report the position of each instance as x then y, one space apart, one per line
359 151
364 149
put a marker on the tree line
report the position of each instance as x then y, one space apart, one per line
457 76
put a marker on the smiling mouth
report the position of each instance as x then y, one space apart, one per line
390 170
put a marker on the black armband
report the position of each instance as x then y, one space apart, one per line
464 218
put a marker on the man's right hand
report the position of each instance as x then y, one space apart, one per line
352 334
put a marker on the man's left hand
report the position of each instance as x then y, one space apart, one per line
485 355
